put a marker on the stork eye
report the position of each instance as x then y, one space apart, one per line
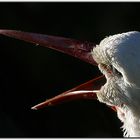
111 69
115 71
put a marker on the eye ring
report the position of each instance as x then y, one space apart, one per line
111 70
116 72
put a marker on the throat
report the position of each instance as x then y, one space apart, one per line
121 114
131 122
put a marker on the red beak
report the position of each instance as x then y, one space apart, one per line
78 49
83 91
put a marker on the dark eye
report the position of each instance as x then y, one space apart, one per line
115 71
110 69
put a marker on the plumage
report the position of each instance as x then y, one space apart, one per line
122 89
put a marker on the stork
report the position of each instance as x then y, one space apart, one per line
117 57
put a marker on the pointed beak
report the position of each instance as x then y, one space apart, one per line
87 90
75 95
78 49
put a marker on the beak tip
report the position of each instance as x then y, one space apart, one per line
2 31
5 30
33 108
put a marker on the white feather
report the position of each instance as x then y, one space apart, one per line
122 52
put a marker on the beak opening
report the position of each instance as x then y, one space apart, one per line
78 49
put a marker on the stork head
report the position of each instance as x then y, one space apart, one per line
118 58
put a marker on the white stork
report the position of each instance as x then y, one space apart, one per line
118 58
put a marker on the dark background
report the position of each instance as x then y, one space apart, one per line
29 74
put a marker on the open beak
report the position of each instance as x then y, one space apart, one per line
78 49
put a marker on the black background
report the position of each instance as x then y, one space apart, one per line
29 74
